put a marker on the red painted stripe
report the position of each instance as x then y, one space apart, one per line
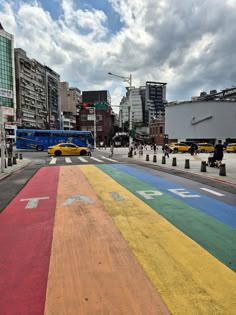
25 246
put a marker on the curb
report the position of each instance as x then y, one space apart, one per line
223 181
13 171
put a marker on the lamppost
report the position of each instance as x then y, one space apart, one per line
129 80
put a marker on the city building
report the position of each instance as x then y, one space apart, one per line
38 93
7 77
155 101
53 100
148 111
157 130
207 118
70 100
102 126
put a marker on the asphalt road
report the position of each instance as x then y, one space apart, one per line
110 215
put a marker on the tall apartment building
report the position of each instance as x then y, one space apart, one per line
38 94
155 101
53 99
7 73
137 112
70 99
123 112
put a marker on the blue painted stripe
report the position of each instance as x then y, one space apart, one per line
217 209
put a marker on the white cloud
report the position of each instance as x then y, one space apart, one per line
189 44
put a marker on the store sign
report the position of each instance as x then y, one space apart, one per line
6 111
6 93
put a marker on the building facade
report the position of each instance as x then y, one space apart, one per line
102 126
70 100
155 101
53 99
201 121
38 93
157 131
7 73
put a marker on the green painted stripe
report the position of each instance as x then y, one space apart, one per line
189 279
216 237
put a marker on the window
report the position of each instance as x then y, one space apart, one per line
71 146
90 117
99 128
42 134
83 117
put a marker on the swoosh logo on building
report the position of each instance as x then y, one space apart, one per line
194 121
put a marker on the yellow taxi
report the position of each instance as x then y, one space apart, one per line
179 147
205 147
67 149
231 147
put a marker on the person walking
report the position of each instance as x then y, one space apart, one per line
166 151
140 149
219 152
111 149
89 149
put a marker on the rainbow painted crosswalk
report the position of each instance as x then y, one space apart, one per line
114 239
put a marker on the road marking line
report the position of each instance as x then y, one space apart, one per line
93 158
108 159
53 160
68 160
212 192
82 159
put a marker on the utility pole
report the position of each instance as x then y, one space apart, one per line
95 128
2 136
129 80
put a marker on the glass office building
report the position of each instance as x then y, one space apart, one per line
7 70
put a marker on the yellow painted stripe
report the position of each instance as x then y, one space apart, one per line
189 279
92 269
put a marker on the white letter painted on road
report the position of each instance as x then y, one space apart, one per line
183 193
149 194
75 198
116 196
33 202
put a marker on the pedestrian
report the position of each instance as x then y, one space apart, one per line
9 149
111 149
89 149
166 151
192 149
140 149
219 152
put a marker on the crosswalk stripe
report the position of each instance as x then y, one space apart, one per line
105 158
68 160
93 158
82 159
53 160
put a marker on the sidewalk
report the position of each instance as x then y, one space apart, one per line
10 169
195 163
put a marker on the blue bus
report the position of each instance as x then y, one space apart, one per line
40 140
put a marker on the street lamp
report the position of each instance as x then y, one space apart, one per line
129 80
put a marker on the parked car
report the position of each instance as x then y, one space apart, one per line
68 149
179 147
205 147
231 147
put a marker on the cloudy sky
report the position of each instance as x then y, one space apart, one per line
190 44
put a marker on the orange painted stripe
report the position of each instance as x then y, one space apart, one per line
92 270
